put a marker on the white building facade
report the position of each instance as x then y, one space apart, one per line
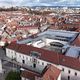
67 73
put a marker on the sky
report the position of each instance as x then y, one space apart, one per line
39 2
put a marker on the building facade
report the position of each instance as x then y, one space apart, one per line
50 47
70 69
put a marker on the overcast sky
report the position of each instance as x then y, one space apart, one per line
38 2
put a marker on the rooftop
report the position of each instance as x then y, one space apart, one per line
50 71
67 59
58 33
73 52
51 40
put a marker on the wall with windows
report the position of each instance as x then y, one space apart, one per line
16 55
22 58
41 62
10 53
69 74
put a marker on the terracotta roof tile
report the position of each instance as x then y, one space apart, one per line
29 74
52 73
46 55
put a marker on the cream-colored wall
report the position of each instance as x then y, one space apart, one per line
64 73
9 53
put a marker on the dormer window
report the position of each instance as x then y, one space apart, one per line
35 54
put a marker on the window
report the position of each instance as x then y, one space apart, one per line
38 62
34 65
12 57
69 71
26 58
19 55
75 74
68 77
62 69
42 63
23 61
30 59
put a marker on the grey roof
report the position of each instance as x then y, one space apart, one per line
58 33
73 52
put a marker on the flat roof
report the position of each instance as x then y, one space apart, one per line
58 33
44 39
61 36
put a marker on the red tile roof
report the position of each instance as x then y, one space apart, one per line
69 62
26 49
76 41
52 73
46 55
29 74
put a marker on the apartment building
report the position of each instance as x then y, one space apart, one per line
49 47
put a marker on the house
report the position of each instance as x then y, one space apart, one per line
49 73
54 40
42 50
39 58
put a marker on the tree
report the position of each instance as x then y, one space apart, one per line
13 75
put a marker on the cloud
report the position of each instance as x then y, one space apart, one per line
39 2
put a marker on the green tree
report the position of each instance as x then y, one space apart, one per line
13 75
